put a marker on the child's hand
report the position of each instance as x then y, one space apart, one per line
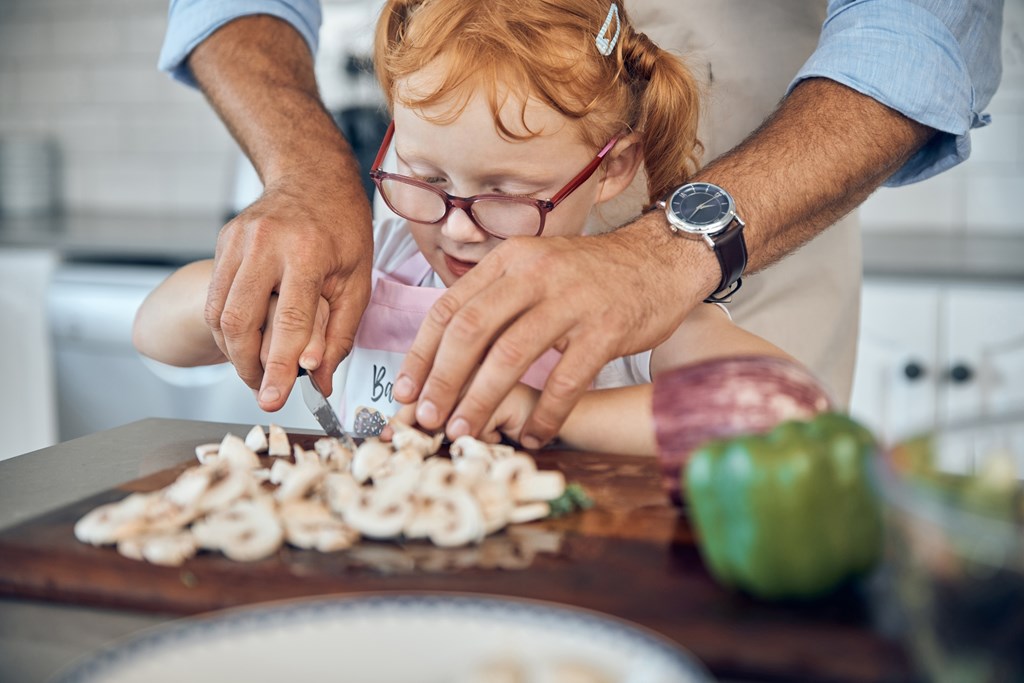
507 420
313 354
511 415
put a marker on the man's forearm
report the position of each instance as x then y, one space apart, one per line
825 149
257 72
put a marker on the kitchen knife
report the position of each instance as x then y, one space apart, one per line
322 410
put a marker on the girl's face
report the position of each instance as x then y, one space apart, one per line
468 156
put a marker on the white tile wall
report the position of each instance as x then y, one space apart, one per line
84 71
982 195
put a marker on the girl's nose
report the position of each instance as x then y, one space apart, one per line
459 227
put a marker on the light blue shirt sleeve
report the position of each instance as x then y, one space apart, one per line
190 22
935 61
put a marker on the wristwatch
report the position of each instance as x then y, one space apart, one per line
705 211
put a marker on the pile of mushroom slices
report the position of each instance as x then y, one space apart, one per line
326 498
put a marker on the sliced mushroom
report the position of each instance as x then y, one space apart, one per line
300 481
227 485
277 442
207 452
333 453
169 549
496 504
309 524
468 447
280 470
509 471
113 522
327 496
406 437
471 470
256 440
529 512
426 515
541 485
371 456
437 477
398 485
190 485
340 490
460 520
378 519
301 455
247 530
406 463
234 452
501 451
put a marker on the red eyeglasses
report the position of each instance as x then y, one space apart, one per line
495 214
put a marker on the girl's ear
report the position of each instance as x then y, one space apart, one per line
620 167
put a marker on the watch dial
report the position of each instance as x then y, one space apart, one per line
701 205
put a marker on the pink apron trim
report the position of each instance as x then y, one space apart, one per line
398 307
413 270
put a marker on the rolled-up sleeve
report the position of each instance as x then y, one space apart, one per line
190 22
937 62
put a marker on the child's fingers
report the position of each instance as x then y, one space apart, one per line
406 415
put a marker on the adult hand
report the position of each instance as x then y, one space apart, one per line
317 343
302 240
592 298
309 235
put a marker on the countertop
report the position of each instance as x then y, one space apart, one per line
984 257
174 240
120 238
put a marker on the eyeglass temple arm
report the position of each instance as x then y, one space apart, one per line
585 173
385 143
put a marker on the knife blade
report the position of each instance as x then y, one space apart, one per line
322 410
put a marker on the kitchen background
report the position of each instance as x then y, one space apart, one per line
110 174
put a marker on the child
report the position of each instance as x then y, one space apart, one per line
511 118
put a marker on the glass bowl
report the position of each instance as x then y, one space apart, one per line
954 514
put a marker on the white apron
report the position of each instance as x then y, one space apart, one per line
746 53
398 305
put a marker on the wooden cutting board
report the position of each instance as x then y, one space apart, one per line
632 555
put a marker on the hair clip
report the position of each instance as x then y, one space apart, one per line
605 45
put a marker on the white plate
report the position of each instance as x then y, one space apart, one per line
393 639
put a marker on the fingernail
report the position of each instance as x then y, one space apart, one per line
308 363
269 394
426 413
530 441
458 427
404 388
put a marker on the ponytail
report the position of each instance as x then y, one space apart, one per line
668 113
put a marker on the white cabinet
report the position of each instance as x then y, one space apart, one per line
27 402
931 353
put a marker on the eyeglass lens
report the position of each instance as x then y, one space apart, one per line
499 217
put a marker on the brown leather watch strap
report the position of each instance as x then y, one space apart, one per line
731 250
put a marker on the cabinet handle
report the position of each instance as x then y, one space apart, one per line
960 374
913 370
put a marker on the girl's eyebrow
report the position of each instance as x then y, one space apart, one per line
490 176
412 158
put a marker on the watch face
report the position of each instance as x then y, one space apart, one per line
702 207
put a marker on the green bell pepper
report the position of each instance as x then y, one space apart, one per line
787 514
